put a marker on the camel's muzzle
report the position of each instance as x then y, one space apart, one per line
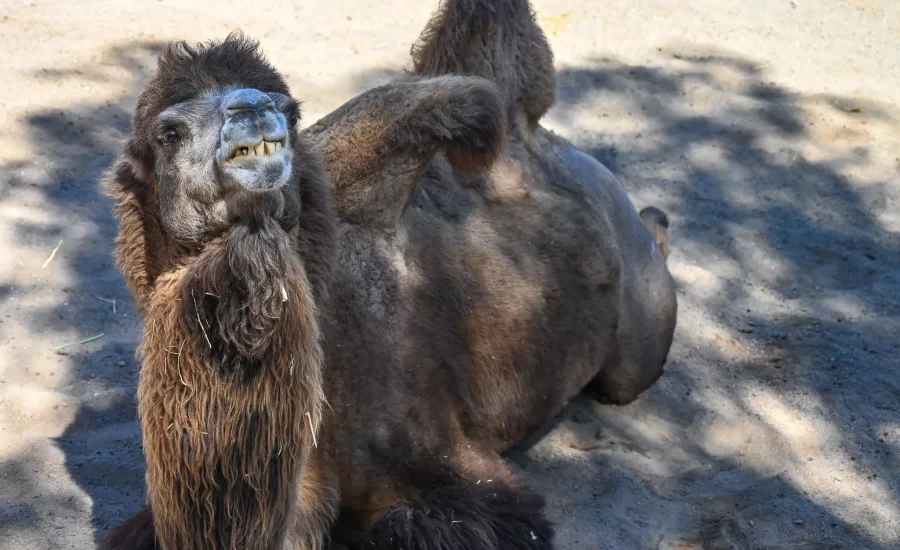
254 148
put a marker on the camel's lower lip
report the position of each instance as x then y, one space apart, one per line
260 172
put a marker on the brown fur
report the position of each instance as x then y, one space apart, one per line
225 438
463 37
486 271
229 408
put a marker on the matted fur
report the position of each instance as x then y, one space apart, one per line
231 390
225 441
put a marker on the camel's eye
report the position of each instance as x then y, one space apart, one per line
170 136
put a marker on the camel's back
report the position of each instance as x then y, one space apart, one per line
498 296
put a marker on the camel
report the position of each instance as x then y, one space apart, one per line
346 327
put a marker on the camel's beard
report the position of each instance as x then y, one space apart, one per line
230 392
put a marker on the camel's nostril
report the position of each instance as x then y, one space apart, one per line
240 101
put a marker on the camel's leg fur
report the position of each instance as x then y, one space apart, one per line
483 508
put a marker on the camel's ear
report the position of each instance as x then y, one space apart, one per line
140 242
291 107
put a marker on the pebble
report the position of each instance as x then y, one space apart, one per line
55 407
799 522
121 364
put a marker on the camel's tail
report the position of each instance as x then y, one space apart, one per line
495 39
657 223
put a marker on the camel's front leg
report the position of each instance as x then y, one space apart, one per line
376 146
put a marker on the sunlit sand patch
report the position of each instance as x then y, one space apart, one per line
701 282
745 440
26 262
827 479
844 306
701 330
29 411
707 156
642 441
889 433
754 249
37 469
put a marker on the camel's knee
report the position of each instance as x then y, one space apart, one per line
621 383
638 357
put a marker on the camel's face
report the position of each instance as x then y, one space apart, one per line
226 147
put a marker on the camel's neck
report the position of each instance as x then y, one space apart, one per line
230 394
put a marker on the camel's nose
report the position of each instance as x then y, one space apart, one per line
246 100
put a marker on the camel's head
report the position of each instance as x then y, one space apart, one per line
214 153
214 138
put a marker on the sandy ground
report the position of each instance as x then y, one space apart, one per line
770 132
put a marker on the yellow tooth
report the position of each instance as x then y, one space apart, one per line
269 148
277 146
259 149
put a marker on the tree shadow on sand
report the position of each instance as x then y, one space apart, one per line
786 253
102 444
775 425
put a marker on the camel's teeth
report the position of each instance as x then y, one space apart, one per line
266 148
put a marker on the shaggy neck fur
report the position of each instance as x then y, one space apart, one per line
230 392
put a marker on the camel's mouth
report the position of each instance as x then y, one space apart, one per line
264 148
257 163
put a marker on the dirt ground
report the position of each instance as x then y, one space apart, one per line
770 133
